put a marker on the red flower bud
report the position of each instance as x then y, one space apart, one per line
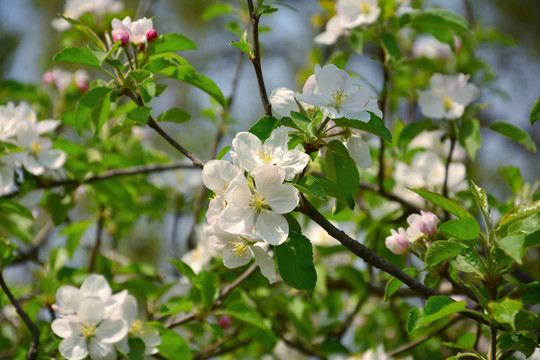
151 35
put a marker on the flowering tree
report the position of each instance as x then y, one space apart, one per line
337 228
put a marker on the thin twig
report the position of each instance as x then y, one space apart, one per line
447 165
214 347
391 196
142 169
256 58
33 349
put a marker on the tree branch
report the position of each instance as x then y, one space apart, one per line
33 349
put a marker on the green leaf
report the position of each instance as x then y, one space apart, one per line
482 200
535 112
437 307
303 123
513 178
506 310
523 341
390 46
394 284
140 114
411 131
100 113
295 262
223 151
74 232
339 58
311 186
136 349
469 137
514 133
468 261
462 229
174 115
520 211
513 246
75 55
341 168
449 205
207 289
171 42
86 105
246 314
375 126
188 74
90 34
438 18
442 250
264 127
185 270
464 341
244 47
332 189
216 9
14 207
173 346
7 254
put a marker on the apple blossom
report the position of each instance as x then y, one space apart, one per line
238 250
332 32
359 151
282 100
9 118
421 224
259 207
332 90
252 153
398 242
74 9
353 13
68 297
447 97
136 32
429 47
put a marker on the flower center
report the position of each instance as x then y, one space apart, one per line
258 202
338 97
265 156
137 327
239 247
447 102
35 147
365 8
89 329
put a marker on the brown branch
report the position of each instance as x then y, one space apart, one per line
211 350
33 349
256 58
142 169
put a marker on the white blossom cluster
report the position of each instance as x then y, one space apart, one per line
137 32
94 322
25 145
332 91
251 198
74 9
420 225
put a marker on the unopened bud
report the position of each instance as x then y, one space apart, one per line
151 35
397 242
428 223
48 78
225 322
120 35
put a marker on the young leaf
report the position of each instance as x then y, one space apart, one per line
303 123
341 168
468 261
506 311
332 189
442 250
520 211
244 47
295 262
311 186
207 289
375 126
464 341
514 133
512 177
394 284
469 137
86 105
264 127
7 205
246 314
75 55
390 46
438 18
437 307
535 111
449 205
513 246
140 114
173 346
216 9
171 42
462 229
174 115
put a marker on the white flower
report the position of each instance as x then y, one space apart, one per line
428 46
398 242
238 249
378 354
137 32
10 116
68 297
353 13
136 327
217 175
74 9
252 153
447 97
332 32
259 208
359 151
332 90
282 100
421 224
89 333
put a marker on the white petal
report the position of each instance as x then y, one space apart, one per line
65 328
268 178
112 330
232 258
313 99
32 165
431 104
73 348
123 345
311 84
467 94
331 79
265 262
332 32
359 151
46 126
248 147
273 228
282 100
238 194
96 285
129 309
215 207
52 158
283 198
91 310
373 106
237 220
101 351
217 174
293 162
151 339
276 144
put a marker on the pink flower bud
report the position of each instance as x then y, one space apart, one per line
151 35
225 322
48 78
428 223
397 242
120 35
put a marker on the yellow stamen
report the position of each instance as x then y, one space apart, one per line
258 202
137 327
88 329
338 97
447 103
265 156
239 247
365 8
35 147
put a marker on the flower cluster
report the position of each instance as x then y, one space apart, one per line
251 197
74 9
93 321
350 14
332 91
22 132
137 32
62 79
447 97
421 226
